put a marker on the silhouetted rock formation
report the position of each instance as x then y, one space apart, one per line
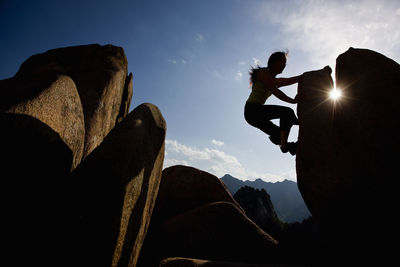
258 207
83 182
195 216
346 158
295 239
285 196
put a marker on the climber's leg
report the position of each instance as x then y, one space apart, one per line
259 116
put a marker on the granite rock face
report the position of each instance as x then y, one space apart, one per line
100 74
195 216
184 188
114 189
56 103
81 175
347 149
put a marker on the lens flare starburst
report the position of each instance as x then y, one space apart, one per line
335 94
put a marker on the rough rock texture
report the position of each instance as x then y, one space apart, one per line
56 103
195 216
184 188
100 75
126 98
115 189
346 160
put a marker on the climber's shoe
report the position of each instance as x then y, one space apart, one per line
290 147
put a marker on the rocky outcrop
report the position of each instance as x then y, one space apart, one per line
100 74
115 189
185 188
98 214
258 207
55 103
188 262
195 216
315 142
346 151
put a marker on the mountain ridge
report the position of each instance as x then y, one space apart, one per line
285 196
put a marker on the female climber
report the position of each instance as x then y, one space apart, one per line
264 83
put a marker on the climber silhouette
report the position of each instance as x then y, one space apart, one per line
264 83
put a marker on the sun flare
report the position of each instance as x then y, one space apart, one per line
335 94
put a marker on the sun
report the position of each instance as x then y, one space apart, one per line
335 94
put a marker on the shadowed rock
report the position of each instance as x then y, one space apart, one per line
184 188
315 142
55 102
100 75
34 163
196 216
217 231
258 207
346 157
114 190
188 262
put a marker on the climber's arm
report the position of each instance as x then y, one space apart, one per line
270 85
287 81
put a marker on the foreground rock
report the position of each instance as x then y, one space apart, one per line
100 74
184 188
217 231
258 207
346 152
195 216
41 140
188 262
54 101
115 188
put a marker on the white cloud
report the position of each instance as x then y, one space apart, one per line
191 152
177 62
217 143
216 162
325 29
239 75
173 61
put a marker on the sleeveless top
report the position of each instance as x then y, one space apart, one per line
259 93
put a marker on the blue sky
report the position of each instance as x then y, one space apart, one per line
191 59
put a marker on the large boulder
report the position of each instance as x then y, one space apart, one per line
258 207
100 74
217 231
184 188
315 142
55 102
114 189
41 140
34 161
346 160
196 216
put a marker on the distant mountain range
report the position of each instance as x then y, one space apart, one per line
285 196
